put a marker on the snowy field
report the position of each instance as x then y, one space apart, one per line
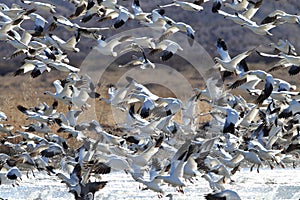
268 185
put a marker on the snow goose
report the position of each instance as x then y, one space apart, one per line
216 6
80 10
70 118
143 62
283 46
107 137
37 127
260 29
177 167
60 66
188 112
141 160
64 22
73 178
14 174
179 26
3 116
6 128
168 48
218 168
237 5
223 50
168 106
68 45
61 91
116 96
107 48
214 185
107 163
30 136
153 183
139 88
39 23
252 157
247 82
231 65
139 14
78 98
224 194
51 137
35 115
253 9
158 20
184 5
92 9
269 85
281 16
282 85
294 70
25 161
6 31
43 6
123 17
10 13
224 54
293 108
236 18
51 150
147 106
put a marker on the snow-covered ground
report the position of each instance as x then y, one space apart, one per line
268 184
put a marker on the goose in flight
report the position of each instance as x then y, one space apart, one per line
281 17
68 45
283 46
14 174
260 29
269 86
61 91
35 66
179 26
168 49
142 62
178 162
123 17
254 7
184 5
139 14
224 54
292 109
237 5
107 48
41 5
216 6
245 17
231 65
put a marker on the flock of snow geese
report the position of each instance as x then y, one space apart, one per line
241 133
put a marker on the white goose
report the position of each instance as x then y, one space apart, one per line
184 5
124 16
107 48
177 167
231 65
179 26
237 5
168 47
41 5
260 29
281 16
